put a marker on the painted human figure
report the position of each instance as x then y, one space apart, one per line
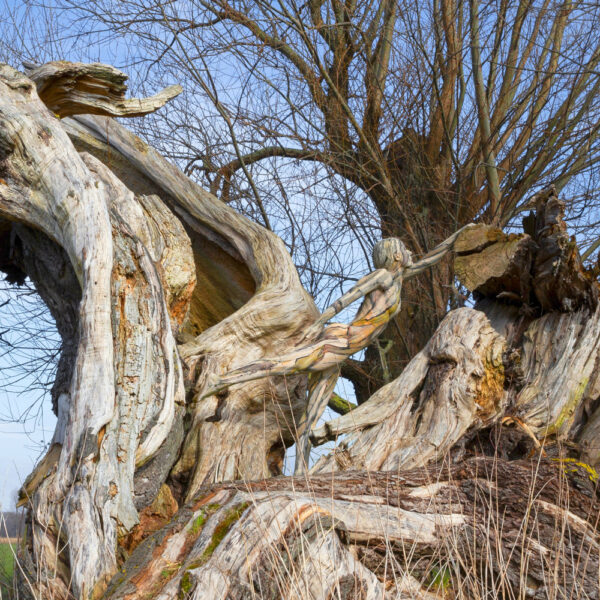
336 342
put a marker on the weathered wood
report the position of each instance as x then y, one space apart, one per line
493 264
120 425
543 376
528 525
160 284
326 347
244 435
69 88
456 382
127 377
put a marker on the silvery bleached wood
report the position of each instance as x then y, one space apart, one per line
245 434
47 185
453 384
121 405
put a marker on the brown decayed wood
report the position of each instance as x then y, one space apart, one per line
69 88
302 537
120 425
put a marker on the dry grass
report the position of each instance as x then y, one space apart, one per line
545 553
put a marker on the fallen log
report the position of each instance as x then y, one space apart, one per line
484 527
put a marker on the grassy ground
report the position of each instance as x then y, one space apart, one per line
6 568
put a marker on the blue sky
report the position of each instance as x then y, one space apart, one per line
28 347
20 446
24 434
21 442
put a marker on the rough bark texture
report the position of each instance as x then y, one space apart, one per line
470 475
484 527
134 264
457 380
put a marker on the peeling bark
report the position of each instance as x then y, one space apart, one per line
68 88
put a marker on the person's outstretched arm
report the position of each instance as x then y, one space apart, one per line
434 256
381 278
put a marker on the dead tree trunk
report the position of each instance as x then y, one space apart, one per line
472 473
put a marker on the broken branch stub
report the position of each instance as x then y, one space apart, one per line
540 268
69 88
491 263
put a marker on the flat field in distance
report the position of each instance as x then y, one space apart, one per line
7 563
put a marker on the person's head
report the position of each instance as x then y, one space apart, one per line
391 254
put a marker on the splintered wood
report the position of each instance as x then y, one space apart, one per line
375 535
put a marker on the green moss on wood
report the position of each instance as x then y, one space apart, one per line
170 570
194 564
222 529
340 405
572 465
566 414
186 585
200 520
198 523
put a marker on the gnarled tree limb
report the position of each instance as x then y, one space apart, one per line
68 89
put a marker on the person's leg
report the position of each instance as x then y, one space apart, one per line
265 367
321 387
307 358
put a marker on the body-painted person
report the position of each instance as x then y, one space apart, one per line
335 343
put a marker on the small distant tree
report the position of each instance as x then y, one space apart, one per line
12 521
